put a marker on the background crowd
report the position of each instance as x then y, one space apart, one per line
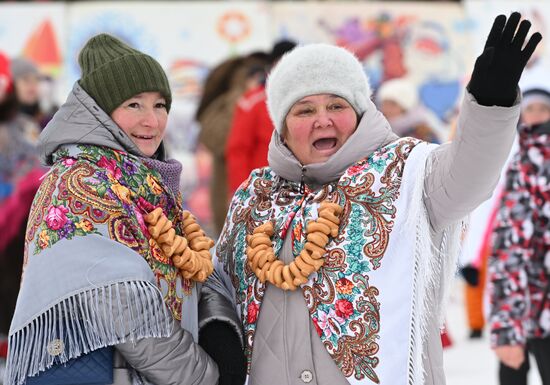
223 132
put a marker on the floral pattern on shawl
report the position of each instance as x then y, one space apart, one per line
90 188
342 303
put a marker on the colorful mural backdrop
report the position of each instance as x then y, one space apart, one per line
36 32
427 43
186 38
433 44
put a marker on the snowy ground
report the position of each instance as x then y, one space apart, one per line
471 362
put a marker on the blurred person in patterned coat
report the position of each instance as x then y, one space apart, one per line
519 265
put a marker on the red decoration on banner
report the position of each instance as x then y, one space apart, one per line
42 48
234 26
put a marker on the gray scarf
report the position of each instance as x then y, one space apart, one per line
373 132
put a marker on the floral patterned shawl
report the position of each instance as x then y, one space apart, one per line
343 302
92 274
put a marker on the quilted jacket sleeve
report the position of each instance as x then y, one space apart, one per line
463 173
220 331
172 360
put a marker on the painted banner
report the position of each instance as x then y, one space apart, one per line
186 38
427 43
432 44
37 32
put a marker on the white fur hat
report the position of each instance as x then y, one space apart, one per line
316 69
402 91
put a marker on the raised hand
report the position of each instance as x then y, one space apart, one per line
498 69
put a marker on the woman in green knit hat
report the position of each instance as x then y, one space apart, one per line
111 259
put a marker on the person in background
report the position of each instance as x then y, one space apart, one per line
398 101
519 262
27 82
20 173
475 273
109 264
535 107
338 256
477 246
224 86
251 128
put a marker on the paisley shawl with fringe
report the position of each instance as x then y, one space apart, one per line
371 302
93 277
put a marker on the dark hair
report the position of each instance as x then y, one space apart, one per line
537 91
280 48
261 56
218 82
228 74
9 106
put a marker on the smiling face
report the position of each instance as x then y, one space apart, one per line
143 118
317 126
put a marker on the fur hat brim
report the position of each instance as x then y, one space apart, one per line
316 69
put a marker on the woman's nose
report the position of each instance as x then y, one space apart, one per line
323 120
150 119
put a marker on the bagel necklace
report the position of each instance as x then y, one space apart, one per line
265 265
190 254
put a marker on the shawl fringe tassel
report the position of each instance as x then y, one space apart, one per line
84 322
434 266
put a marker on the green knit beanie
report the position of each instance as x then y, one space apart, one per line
113 72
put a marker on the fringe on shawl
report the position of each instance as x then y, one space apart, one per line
434 267
87 321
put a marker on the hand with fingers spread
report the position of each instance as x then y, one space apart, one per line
498 69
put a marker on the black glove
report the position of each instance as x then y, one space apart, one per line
498 69
470 274
222 343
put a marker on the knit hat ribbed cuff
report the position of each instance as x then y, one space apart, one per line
113 72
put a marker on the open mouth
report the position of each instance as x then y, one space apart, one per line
325 144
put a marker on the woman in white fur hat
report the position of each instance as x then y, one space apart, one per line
346 242
399 102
